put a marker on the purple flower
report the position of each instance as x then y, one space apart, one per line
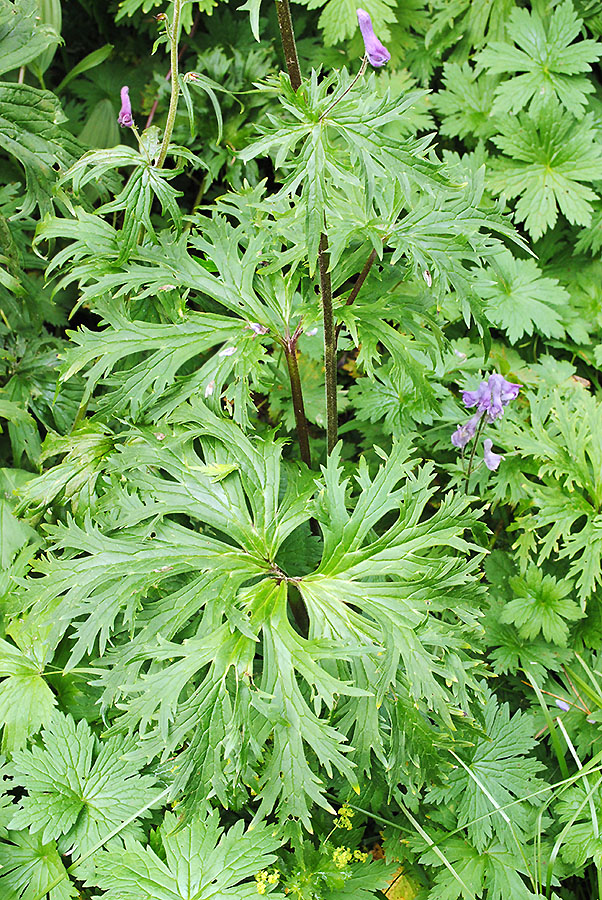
492 460
492 396
125 113
464 433
563 705
376 53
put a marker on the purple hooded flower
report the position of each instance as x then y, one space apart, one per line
464 433
492 460
125 113
563 705
376 53
491 396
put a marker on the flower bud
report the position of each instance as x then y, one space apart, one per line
125 113
376 53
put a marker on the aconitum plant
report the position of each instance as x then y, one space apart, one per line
258 636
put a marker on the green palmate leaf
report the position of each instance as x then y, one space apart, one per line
392 398
167 349
500 769
74 478
466 24
550 63
198 860
257 665
30 132
339 18
465 104
26 701
343 145
449 233
547 159
541 604
22 36
564 441
495 873
77 788
29 865
521 300
145 184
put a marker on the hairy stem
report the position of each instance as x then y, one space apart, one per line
287 35
330 343
175 83
290 352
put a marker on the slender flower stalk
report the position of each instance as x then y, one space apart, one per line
472 452
175 82
362 69
330 343
181 53
287 35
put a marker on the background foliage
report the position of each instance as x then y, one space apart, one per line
226 673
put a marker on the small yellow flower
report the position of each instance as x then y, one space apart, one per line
359 856
343 820
261 879
341 856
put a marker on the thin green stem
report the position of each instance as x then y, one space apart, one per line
346 91
287 35
290 352
474 447
175 83
358 284
330 343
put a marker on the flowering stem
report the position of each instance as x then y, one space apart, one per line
181 53
175 83
290 352
330 343
287 35
474 447
346 91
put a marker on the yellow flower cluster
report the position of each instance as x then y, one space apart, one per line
343 820
343 855
264 878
